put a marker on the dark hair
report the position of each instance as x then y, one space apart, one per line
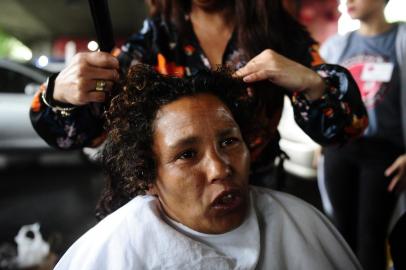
260 24
128 158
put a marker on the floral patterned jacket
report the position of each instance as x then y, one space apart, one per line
334 118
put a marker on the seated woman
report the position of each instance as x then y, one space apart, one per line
178 195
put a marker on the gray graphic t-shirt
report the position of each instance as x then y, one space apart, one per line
372 62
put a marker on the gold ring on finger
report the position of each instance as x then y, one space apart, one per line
100 85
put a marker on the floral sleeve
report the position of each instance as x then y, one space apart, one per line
338 115
83 126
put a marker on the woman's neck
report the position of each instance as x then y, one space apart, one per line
219 21
374 25
213 30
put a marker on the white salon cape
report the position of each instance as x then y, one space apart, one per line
280 232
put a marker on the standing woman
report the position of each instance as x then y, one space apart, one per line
360 180
272 52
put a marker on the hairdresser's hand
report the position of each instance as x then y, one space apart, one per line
269 65
399 178
77 82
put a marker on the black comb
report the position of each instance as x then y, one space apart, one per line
102 24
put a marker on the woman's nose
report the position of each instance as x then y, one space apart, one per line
218 167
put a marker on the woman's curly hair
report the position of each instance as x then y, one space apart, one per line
127 157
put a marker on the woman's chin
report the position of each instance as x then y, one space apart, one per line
229 217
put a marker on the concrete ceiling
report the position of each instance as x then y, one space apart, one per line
34 20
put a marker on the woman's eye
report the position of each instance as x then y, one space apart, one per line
187 154
229 141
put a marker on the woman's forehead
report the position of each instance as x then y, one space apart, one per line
192 115
193 107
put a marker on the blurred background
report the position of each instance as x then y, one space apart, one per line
59 190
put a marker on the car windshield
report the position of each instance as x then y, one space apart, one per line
15 77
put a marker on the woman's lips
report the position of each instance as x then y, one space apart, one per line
350 9
228 201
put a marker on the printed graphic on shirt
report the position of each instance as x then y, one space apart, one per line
372 74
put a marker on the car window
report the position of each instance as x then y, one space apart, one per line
13 82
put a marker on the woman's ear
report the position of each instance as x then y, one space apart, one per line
152 190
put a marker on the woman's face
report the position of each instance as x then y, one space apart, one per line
202 164
364 9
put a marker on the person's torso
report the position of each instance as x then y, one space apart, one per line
280 232
372 62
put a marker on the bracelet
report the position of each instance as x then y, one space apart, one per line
47 95
63 111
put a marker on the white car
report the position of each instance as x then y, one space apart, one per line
18 83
